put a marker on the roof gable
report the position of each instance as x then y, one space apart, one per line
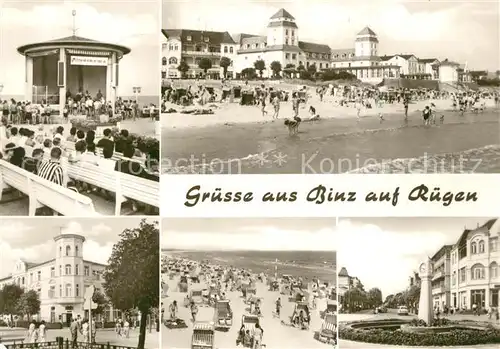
282 13
367 31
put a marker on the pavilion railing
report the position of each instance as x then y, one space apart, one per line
61 343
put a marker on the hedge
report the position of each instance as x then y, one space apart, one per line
48 325
398 337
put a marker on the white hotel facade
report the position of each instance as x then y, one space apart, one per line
61 281
467 272
282 43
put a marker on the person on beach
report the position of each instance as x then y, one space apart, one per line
426 114
263 105
405 103
173 310
257 337
276 105
194 311
278 307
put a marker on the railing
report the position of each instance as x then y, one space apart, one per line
201 53
437 274
67 344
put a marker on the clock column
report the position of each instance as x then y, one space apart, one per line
425 310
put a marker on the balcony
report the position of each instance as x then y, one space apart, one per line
438 275
439 290
201 53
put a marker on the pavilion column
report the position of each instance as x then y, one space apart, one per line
114 81
62 88
28 89
109 79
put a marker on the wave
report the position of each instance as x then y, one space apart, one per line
468 161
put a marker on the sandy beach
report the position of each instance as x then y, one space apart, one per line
277 331
238 139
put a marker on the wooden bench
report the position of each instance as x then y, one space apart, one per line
42 192
124 186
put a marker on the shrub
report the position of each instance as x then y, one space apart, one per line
452 338
3 323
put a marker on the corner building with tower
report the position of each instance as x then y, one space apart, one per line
61 282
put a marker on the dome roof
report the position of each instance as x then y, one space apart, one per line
74 41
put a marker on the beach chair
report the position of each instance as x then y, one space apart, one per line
203 336
328 331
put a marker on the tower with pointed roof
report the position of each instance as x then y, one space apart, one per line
366 44
282 30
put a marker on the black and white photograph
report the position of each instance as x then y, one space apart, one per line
382 86
79 93
419 282
248 283
79 283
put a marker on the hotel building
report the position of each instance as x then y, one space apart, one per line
467 272
345 282
281 43
61 281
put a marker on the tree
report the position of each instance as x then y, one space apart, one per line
301 67
374 297
276 68
260 66
28 304
10 295
205 64
183 68
312 69
225 62
133 272
249 73
100 299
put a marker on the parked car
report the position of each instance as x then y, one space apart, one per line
402 310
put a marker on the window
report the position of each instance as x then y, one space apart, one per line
39 276
68 250
473 248
247 46
77 290
176 48
477 272
294 56
286 41
67 269
287 55
68 290
60 290
189 38
481 246
164 61
462 275
60 251
293 32
76 251
86 270
225 49
52 272
321 66
326 65
163 74
22 280
31 278
60 270
77 269
231 49
454 278
172 60
293 41
493 245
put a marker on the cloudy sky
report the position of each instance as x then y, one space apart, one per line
464 31
278 234
134 24
384 252
31 239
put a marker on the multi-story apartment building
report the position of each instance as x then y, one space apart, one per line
473 268
441 277
191 46
61 281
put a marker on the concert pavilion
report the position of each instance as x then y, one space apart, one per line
60 68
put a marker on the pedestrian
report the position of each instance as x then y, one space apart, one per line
194 311
42 332
126 328
73 329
